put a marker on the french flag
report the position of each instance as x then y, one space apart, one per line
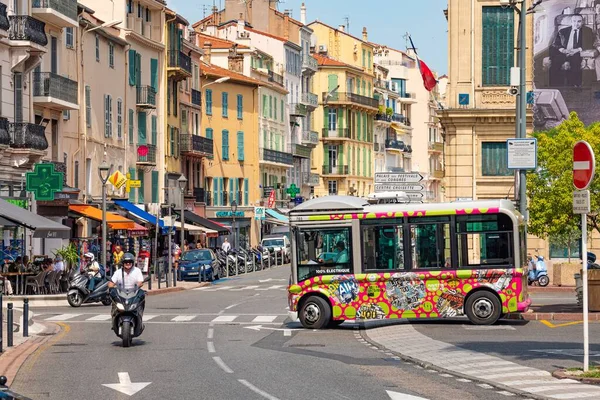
429 80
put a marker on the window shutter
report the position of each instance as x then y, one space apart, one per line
370 162
154 73
155 186
270 106
494 159
282 111
332 82
237 191
326 155
141 188
131 67
119 119
364 57
88 106
106 125
364 158
245 191
110 116
208 102
340 122
132 191
497 45
131 126
176 142
225 105
240 146
265 105
240 106
142 128
138 69
275 108
154 132
209 133
359 124
340 151
225 144
230 197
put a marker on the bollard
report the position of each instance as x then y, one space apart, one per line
26 317
175 275
1 333
246 263
253 261
227 266
269 258
150 268
9 325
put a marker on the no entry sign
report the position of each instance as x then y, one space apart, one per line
584 165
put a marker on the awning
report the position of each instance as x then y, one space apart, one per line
274 214
113 220
42 227
138 230
138 212
198 220
192 229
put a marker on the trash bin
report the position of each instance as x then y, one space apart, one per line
594 289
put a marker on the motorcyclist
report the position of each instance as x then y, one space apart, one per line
92 268
128 277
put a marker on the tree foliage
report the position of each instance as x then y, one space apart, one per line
550 188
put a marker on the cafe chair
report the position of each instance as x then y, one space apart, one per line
36 283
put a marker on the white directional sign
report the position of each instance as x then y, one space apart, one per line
125 385
522 153
398 177
415 195
393 187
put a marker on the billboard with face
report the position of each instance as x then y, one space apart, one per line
566 61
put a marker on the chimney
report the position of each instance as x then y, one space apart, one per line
207 48
235 60
286 26
241 25
303 14
341 28
365 36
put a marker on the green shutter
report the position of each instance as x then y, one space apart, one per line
208 102
282 111
237 191
265 106
369 86
225 144
142 128
138 69
240 146
359 124
350 159
364 57
240 106
154 73
155 186
209 133
141 188
132 191
365 127
131 141
494 159
246 191
340 122
154 130
364 158
224 104
270 106
326 155
370 163
132 57
230 197
340 154
497 50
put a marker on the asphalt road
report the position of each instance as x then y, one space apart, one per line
228 341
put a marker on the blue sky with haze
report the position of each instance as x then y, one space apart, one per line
387 21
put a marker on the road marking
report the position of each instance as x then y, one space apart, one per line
230 307
225 318
245 288
271 279
533 372
287 332
264 318
257 390
402 396
99 318
539 382
223 366
447 375
506 393
62 317
210 333
567 352
489 327
551 325
464 380
259 327
211 347
485 386
183 318
148 317
125 385
483 371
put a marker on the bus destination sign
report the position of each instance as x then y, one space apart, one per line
398 177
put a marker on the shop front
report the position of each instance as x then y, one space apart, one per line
244 230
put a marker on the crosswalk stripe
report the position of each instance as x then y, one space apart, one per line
101 317
265 318
245 288
148 317
536 389
225 318
62 317
183 318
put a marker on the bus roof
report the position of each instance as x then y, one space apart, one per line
336 204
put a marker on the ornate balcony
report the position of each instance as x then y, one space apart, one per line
274 156
310 100
55 91
436 147
4 24
335 170
146 154
145 97
62 13
310 138
179 66
437 173
4 132
61 167
196 97
302 151
310 179
392 144
24 135
383 118
26 28
275 78
194 145
298 110
351 98
339 133
309 63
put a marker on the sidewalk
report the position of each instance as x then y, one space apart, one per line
558 310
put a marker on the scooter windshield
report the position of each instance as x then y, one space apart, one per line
127 294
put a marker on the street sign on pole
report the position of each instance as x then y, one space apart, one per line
581 202
522 153
415 195
398 177
394 187
584 166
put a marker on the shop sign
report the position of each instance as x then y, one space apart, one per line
229 214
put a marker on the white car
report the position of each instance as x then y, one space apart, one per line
278 244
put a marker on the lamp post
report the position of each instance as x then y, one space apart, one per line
104 172
182 181
233 211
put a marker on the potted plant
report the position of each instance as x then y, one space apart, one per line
69 254
389 111
381 109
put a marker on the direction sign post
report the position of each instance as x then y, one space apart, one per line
398 177
584 166
393 187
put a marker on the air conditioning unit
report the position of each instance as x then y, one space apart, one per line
322 49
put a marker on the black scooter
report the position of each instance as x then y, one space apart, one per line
79 293
127 312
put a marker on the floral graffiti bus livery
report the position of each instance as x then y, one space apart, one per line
355 261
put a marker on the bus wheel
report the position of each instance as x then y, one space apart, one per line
315 313
483 308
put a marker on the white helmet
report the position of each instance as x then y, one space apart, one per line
89 255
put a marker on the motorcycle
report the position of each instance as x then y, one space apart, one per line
127 312
79 293
539 274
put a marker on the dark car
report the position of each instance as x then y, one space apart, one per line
199 261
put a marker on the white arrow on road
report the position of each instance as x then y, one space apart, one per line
270 279
125 386
259 327
403 396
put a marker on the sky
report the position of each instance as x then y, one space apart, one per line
387 21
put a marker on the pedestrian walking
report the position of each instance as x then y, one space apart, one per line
226 246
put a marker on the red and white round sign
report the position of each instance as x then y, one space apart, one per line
584 165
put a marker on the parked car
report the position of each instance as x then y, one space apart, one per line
279 243
199 261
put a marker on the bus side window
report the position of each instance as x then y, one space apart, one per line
485 241
383 247
430 245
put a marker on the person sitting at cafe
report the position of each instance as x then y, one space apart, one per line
59 264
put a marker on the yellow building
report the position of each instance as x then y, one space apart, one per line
230 119
344 156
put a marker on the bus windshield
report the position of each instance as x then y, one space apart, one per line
323 251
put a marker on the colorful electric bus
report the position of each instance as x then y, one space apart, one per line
355 261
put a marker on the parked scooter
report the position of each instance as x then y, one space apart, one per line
127 312
79 293
538 274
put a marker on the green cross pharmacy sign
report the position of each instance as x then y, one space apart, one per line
44 181
293 191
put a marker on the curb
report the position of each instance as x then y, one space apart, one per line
538 316
560 374
155 292
553 289
13 358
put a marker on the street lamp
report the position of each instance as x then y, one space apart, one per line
104 172
182 181
220 80
234 207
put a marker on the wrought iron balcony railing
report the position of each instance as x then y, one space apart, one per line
198 145
310 99
297 109
310 179
342 97
276 78
145 96
24 27
383 117
436 146
196 97
299 150
310 138
335 170
309 62
4 132
342 133
4 24
395 144
178 59
146 154
24 135
67 8
199 195
276 156
48 84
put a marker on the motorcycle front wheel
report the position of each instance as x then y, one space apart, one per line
106 302
126 333
75 299
544 280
